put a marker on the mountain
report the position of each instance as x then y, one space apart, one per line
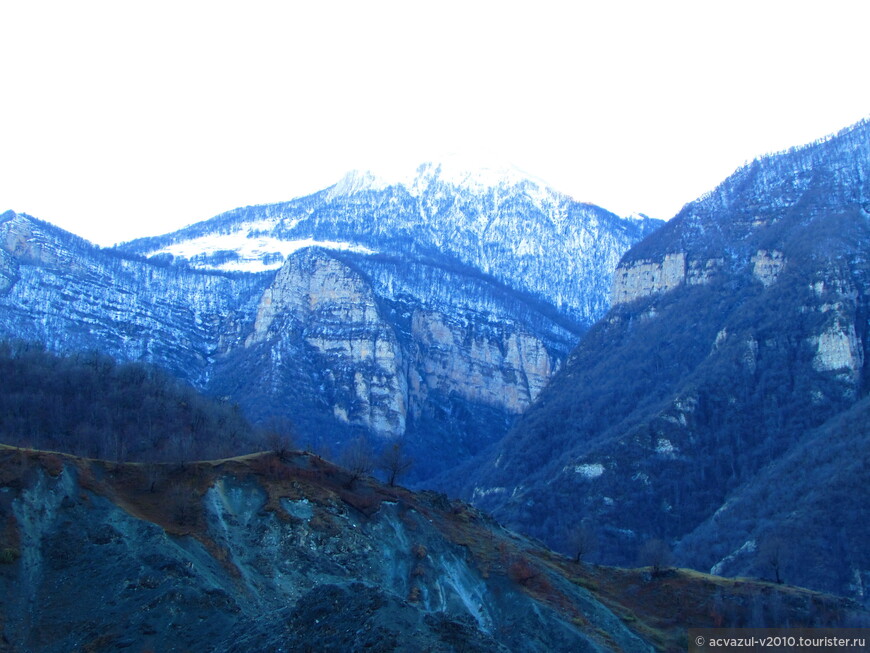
432 309
289 553
495 221
695 410
352 345
62 291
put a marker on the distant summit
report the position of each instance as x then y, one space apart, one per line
481 214
472 173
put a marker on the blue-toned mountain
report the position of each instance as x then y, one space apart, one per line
432 308
737 345
494 221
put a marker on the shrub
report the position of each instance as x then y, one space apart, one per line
9 555
521 571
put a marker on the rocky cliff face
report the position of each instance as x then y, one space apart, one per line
334 313
397 349
739 330
262 554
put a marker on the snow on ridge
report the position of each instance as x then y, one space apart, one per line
474 173
252 252
637 216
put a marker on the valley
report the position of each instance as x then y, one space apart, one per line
612 428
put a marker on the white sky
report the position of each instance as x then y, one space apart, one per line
122 119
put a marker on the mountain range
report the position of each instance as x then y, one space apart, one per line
432 307
720 405
699 386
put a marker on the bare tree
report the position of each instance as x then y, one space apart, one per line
772 554
357 459
582 541
279 437
655 553
394 462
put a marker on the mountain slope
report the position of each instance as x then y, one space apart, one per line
70 295
432 307
737 328
88 404
265 553
810 503
500 223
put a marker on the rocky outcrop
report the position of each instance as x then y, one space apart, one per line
506 369
379 366
838 349
640 279
333 311
637 279
23 240
767 265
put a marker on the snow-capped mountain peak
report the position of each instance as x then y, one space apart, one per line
486 215
473 173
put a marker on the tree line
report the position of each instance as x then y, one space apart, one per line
90 405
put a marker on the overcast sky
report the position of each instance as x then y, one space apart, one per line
122 119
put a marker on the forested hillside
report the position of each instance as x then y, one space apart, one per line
90 405
739 337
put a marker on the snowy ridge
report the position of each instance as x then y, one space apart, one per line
488 216
468 173
250 253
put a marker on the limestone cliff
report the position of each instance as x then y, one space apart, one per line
398 349
637 279
643 278
333 311
767 265
506 369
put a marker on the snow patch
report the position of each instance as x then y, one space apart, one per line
589 470
665 447
474 172
253 254
480 493
747 548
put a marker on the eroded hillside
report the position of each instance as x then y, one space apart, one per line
288 552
